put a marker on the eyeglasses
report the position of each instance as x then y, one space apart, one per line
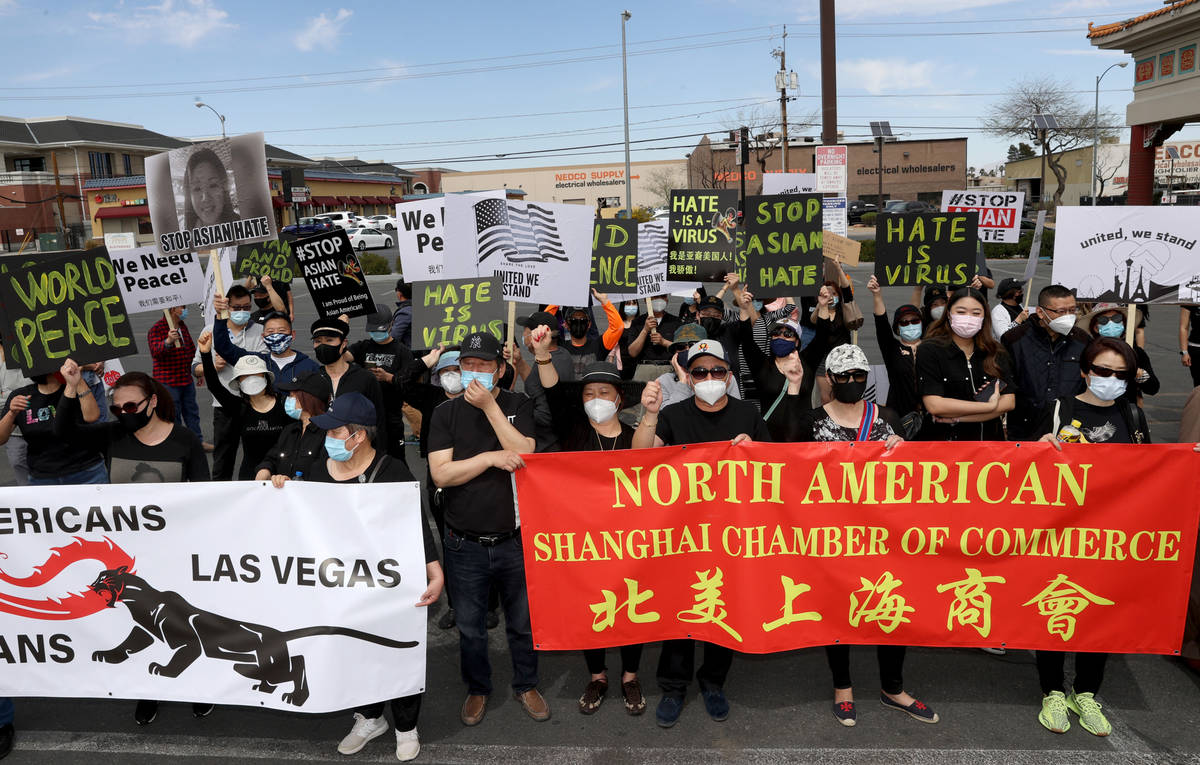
1103 320
909 322
129 407
1058 311
857 376
702 373
243 307
783 333
1122 374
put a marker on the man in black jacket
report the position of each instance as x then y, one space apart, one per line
330 350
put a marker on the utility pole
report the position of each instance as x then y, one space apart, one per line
1042 187
828 74
781 81
743 159
625 16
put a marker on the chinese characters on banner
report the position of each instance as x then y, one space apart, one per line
702 234
772 547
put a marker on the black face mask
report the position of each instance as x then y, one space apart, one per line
577 327
712 326
849 392
262 302
327 354
39 379
134 421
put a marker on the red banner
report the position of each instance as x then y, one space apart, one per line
771 547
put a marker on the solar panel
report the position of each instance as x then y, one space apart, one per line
881 129
1045 122
1172 152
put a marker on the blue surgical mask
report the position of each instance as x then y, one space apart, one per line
630 310
336 449
379 337
1112 329
689 301
240 318
292 408
486 379
758 305
183 314
1106 388
278 342
782 346
911 332
833 300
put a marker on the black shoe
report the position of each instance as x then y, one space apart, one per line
446 620
7 732
493 620
145 712
201 710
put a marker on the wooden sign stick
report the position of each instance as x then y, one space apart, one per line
512 321
1130 323
214 262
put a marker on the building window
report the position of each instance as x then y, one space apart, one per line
128 161
420 188
101 164
29 165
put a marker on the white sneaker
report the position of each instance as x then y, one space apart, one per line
365 729
408 746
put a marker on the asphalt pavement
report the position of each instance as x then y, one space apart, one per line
781 704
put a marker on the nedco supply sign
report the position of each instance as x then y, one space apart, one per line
579 179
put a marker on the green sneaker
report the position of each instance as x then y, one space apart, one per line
1090 716
1053 716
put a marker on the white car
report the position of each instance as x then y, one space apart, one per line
385 222
363 238
345 219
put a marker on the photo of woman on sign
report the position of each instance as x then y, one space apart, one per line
206 189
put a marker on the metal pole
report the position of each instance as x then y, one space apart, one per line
1042 188
879 209
783 98
828 74
1096 139
625 15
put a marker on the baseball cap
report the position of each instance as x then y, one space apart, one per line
601 371
380 321
905 310
846 358
539 319
1008 285
778 325
480 345
707 348
330 327
346 409
313 383
689 333
711 301
934 293
447 359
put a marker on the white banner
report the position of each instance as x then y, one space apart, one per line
228 256
789 183
831 168
299 598
652 264
151 281
1128 254
420 238
999 212
833 215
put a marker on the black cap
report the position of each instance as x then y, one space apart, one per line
308 382
605 372
907 308
601 371
480 345
711 301
1007 285
346 409
259 287
539 319
330 327
933 294
380 321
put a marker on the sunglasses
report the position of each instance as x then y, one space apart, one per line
1122 374
702 373
129 407
1103 320
783 333
909 322
859 377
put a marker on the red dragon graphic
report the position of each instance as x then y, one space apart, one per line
76 605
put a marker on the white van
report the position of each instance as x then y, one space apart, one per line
343 219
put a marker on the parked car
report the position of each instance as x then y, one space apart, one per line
308 227
345 219
385 222
902 206
363 238
856 208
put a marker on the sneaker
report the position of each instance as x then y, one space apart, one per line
493 619
1090 716
716 704
635 702
668 710
1053 716
593 696
918 710
145 712
365 729
408 745
446 620
201 710
845 713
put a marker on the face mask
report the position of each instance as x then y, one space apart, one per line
451 382
630 310
39 379
833 300
686 301
1112 329
577 327
262 302
1106 388
183 314
486 379
291 408
252 386
600 410
910 332
1063 324
240 318
327 354
849 392
710 391
966 326
782 346
133 421
336 449
278 342
758 305
712 325
658 305
937 312
379 336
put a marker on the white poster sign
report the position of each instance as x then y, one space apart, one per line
228 255
151 281
460 258
420 238
833 215
789 183
831 168
120 241
1128 254
652 264
999 212
301 598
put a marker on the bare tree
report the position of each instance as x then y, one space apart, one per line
659 182
1108 164
1012 117
704 171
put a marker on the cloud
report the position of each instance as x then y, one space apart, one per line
884 75
45 74
860 8
177 22
8 5
386 68
323 32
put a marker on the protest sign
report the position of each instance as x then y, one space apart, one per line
925 248
67 305
615 256
750 547
151 281
833 217
1128 254
999 212
226 257
210 194
460 248
335 279
841 248
702 246
789 183
782 243
447 310
420 239
274 259
120 241
302 600
830 164
113 370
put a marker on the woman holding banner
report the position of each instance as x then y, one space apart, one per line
585 420
301 443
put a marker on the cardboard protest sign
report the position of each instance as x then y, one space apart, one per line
999 212
615 256
782 243
703 224
226 258
151 281
334 276
833 217
420 238
1128 254
925 248
842 249
120 241
210 194
460 248
447 310
789 183
65 306
274 259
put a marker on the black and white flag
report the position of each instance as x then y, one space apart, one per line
517 232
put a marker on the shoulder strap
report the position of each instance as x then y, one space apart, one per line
1134 421
778 400
375 471
864 427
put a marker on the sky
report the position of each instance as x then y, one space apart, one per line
457 84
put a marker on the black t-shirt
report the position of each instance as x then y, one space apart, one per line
258 315
944 370
48 455
573 428
582 356
666 327
900 361
259 430
685 423
390 357
1194 326
1099 424
358 380
486 504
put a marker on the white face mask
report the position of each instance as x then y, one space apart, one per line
710 391
451 382
936 312
600 410
252 386
1106 388
658 305
1063 324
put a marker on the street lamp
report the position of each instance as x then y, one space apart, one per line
625 16
1096 127
220 116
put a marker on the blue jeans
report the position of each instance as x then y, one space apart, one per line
97 473
471 570
187 411
6 711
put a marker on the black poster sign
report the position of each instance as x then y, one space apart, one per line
926 248
273 258
615 256
783 245
447 310
334 276
701 244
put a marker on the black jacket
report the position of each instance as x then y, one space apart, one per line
1045 370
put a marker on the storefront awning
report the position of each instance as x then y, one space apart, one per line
358 201
131 211
278 202
327 201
